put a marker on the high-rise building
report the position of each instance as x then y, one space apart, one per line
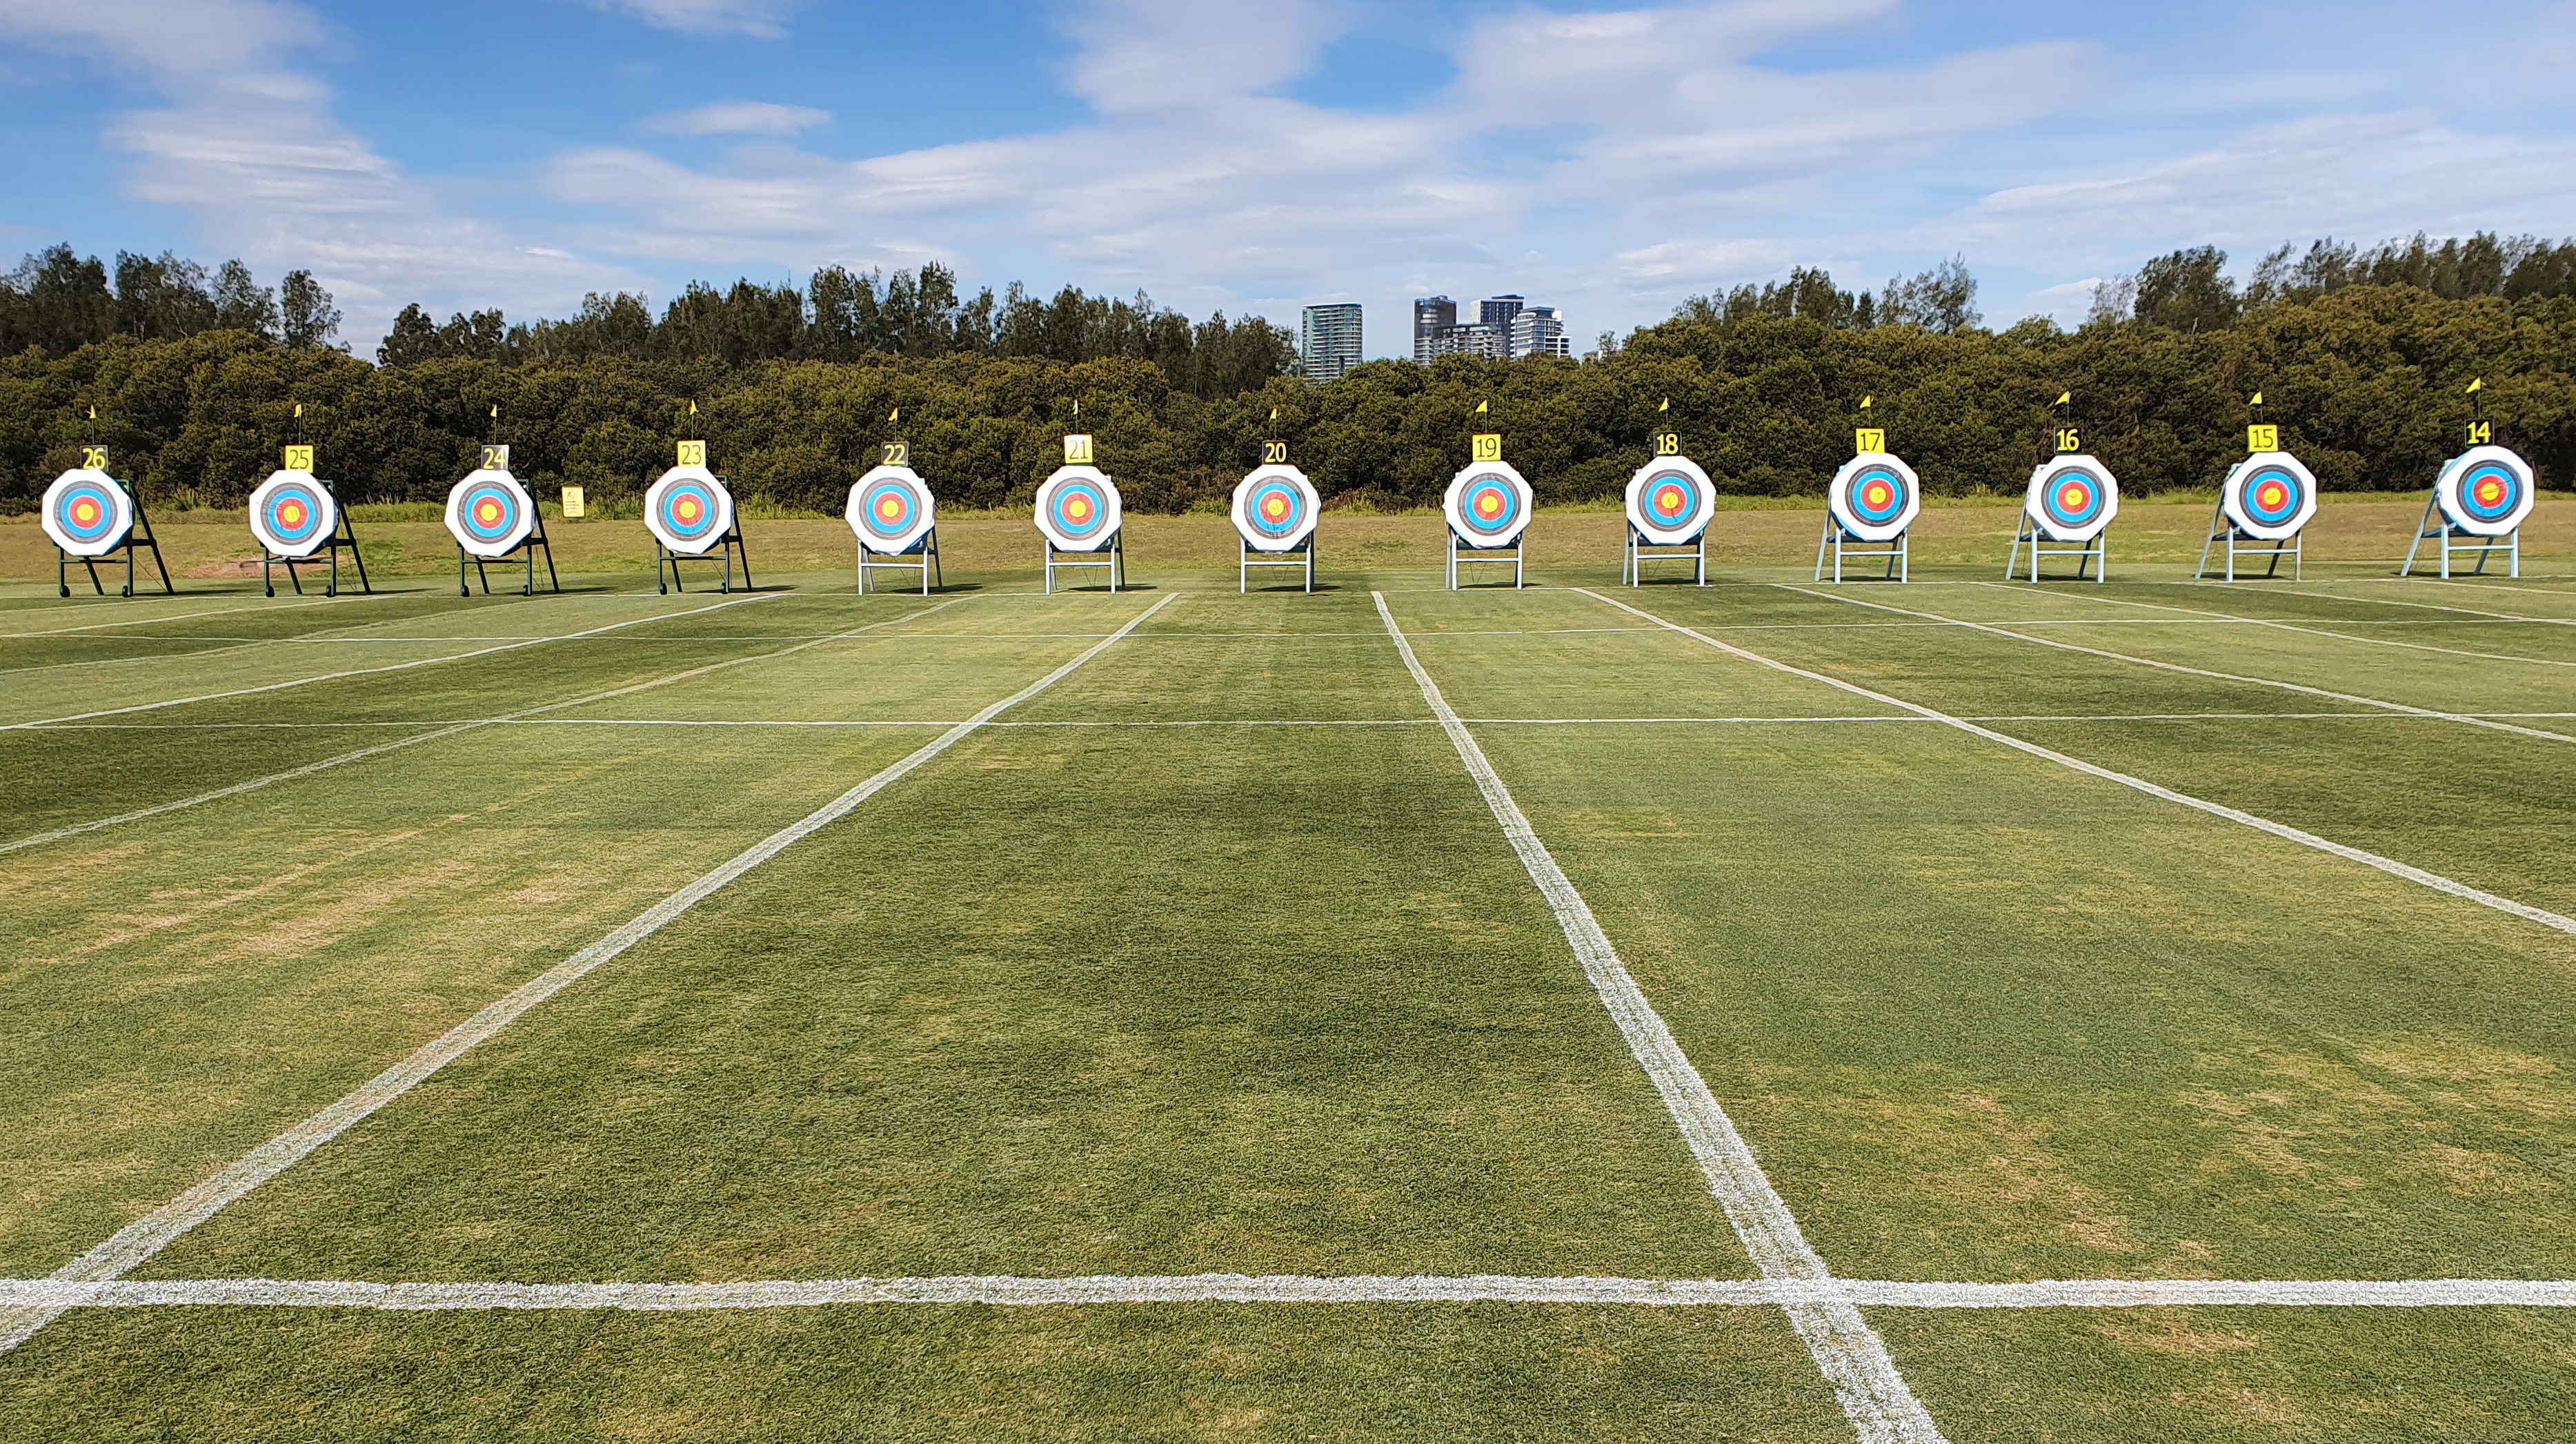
1539 331
1330 341
1499 312
1476 338
1431 316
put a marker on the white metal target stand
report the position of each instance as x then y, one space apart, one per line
1836 539
2241 543
1463 553
344 534
2088 553
1300 557
1640 550
1112 556
2439 528
924 558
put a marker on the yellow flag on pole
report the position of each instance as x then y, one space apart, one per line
1864 403
895 415
2062 398
2474 385
2258 398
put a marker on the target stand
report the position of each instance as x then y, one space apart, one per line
2071 502
690 513
2478 505
1488 509
1274 511
92 516
1871 503
296 516
1670 501
1463 553
1642 549
2264 507
493 518
896 520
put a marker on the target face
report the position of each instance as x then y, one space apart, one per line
891 509
87 512
2269 495
489 513
1487 504
292 515
688 510
1670 501
1275 507
1078 509
1874 497
2485 491
2072 498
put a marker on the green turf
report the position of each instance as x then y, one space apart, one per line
1269 992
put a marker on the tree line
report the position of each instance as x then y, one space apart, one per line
2364 358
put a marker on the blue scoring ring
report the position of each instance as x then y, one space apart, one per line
100 529
703 523
1291 508
272 512
2053 499
1856 495
2249 493
1091 525
504 513
2508 491
1505 511
872 508
1666 487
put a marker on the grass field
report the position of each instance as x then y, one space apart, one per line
1765 1011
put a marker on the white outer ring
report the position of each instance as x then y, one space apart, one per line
1449 502
1663 536
466 539
1837 496
2231 497
715 534
2046 471
124 503
925 515
1117 510
1253 536
321 536
2446 489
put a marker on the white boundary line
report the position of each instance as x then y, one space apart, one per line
2232 619
135 1244
2460 717
526 720
450 730
1016 1291
1845 1348
214 612
2390 602
2391 866
389 667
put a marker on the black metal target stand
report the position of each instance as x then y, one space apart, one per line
527 550
344 533
139 536
730 543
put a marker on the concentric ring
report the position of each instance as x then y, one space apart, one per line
2072 498
2269 496
489 513
1275 508
1078 508
1874 497
1670 501
890 509
1487 504
2485 491
293 515
87 512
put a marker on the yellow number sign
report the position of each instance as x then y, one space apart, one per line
572 502
299 458
693 453
1489 446
94 458
2262 438
2068 441
2481 433
896 453
1668 443
1869 438
496 458
1274 453
1077 451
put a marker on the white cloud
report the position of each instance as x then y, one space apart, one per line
738 117
761 19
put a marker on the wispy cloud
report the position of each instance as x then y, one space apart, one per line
738 117
761 19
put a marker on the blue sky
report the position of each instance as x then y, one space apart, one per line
1258 157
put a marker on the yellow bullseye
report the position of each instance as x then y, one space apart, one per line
1489 504
2071 498
1078 508
686 509
488 512
891 508
84 513
1274 506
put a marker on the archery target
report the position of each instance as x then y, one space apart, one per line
1274 508
1874 497
1487 504
2072 498
1670 500
489 513
1078 508
890 509
87 512
293 515
2269 495
688 510
2484 491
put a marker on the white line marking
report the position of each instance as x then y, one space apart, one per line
133 1245
2390 866
523 720
2235 620
1016 1291
389 667
1845 1348
380 749
2460 717
216 612
2397 602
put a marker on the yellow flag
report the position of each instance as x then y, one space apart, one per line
2474 385
2062 398
1274 413
93 413
895 415
2258 398
1480 408
693 408
1864 403
299 410
496 410
1077 406
1667 406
